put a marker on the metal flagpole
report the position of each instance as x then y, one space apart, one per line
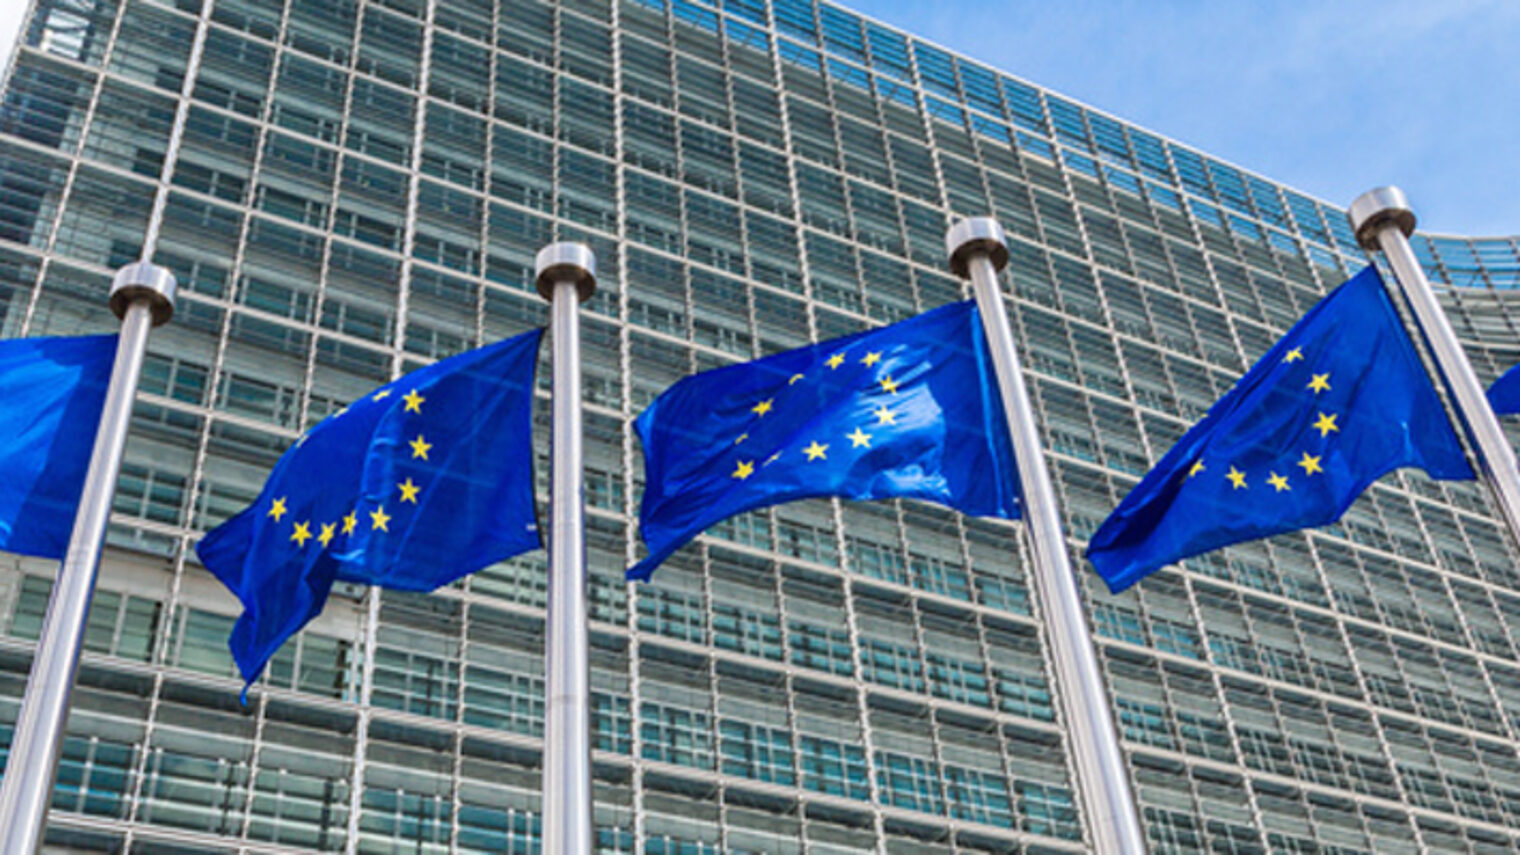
142 296
978 248
1382 220
567 278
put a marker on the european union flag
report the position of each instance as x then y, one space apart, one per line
1504 395
52 391
1341 400
908 411
426 479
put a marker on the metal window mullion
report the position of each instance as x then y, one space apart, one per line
262 711
66 192
363 714
736 160
1225 711
468 598
177 130
860 689
413 191
140 765
229 309
372 595
625 414
862 708
261 716
1374 712
324 271
1460 615
456 765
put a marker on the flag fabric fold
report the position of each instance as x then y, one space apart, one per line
908 411
52 393
1504 395
1338 402
422 481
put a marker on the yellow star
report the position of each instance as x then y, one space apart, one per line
1279 481
795 378
742 437
420 447
746 469
816 451
1310 464
1325 425
834 361
329 530
870 359
1294 355
350 521
302 533
1197 467
1237 478
888 384
773 458
859 438
277 508
382 394
884 415
378 518
762 408
408 491
1320 383
413 402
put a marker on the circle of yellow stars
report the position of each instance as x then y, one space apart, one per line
379 520
816 450
1324 422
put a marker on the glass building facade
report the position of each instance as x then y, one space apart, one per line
348 189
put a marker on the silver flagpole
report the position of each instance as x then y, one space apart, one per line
566 278
1382 220
979 249
142 296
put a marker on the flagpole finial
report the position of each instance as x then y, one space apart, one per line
143 280
975 235
566 260
1375 208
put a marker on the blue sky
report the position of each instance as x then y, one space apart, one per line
1332 97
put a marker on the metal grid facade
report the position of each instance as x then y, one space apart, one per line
350 188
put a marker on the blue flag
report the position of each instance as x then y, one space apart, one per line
908 411
1504 395
1341 400
426 479
52 391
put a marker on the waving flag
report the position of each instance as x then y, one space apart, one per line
907 411
1341 400
52 391
424 480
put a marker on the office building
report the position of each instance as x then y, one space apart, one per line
352 188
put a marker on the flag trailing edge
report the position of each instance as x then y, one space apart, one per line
52 394
1336 403
424 480
1504 394
911 410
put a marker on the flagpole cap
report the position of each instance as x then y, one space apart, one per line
144 281
973 236
563 261
1376 208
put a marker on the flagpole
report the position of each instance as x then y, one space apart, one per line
1383 220
142 296
567 278
978 248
